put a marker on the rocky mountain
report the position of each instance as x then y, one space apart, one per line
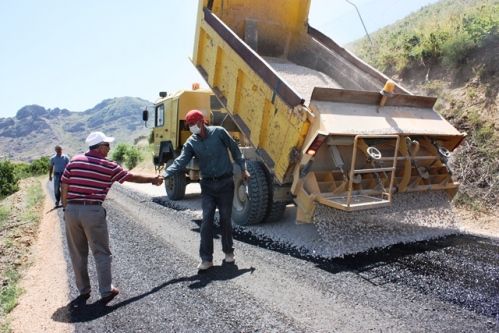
34 131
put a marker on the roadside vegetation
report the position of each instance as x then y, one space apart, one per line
20 214
443 33
21 199
11 173
449 50
127 155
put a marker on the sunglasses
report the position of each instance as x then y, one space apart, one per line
105 144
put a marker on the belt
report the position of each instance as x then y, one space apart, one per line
224 176
57 173
84 202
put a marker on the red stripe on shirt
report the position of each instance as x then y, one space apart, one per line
89 177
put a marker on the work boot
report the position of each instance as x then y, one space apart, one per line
204 265
229 258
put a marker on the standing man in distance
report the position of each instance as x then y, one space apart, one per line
211 145
85 184
58 162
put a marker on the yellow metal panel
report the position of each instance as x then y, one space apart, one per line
190 100
288 14
249 97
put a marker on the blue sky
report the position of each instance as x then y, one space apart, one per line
73 54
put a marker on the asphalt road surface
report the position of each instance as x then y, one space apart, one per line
447 285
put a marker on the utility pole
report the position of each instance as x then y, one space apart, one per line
361 20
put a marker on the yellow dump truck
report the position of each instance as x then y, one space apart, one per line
320 125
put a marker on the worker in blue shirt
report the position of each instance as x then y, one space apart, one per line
58 162
211 146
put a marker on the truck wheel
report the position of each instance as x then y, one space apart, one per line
250 202
175 185
275 211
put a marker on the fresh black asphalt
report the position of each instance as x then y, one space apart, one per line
452 283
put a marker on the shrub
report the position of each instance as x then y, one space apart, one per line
9 183
127 155
40 166
22 170
119 153
133 157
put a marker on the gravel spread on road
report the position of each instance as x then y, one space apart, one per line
412 217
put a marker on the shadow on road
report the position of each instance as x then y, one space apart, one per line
78 311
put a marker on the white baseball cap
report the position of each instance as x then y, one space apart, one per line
95 138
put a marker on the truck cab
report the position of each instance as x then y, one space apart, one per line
169 132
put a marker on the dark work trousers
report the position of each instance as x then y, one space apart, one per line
216 194
57 186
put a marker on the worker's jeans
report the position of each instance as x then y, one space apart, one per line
86 225
57 187
216 193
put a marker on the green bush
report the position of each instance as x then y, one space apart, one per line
9 183
119 153
125 154
35 168
133 157
40 166
11 173
22 170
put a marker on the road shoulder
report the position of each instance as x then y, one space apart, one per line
45 283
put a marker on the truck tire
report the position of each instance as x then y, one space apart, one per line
175 185
275 211
249 207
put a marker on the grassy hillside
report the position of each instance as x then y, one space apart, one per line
450 50
446 32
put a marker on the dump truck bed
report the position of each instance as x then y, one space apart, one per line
301 78
318 117
338 107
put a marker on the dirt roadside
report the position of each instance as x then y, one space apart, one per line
46 282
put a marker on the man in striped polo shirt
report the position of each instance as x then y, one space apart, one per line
85 184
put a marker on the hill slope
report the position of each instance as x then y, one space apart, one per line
34 131
450 50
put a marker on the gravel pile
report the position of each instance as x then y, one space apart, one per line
334 233
301 79
412 217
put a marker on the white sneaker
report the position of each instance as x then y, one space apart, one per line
204 265
229 258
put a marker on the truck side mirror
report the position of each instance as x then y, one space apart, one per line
145 116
